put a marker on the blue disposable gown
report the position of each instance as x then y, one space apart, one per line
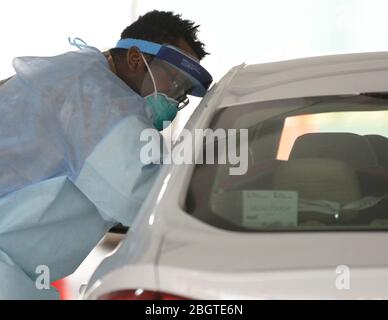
70 165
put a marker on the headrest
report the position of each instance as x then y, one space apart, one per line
355 150
318 179
380 147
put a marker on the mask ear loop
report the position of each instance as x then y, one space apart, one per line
151 75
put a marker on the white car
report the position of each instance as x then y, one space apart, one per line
309 217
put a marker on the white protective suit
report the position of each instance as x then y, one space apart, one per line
70 165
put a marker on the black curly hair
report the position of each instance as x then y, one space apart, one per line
164 27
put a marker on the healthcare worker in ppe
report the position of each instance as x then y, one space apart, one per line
70 145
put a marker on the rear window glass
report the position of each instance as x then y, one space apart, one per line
313 164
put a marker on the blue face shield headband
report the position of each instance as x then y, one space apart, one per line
199 78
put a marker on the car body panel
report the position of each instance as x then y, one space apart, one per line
290 284
316 76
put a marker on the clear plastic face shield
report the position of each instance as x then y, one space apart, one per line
170 71
166 79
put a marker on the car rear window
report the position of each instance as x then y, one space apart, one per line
316 163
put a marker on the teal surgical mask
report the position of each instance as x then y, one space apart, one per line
163 108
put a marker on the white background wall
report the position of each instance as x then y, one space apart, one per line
234 31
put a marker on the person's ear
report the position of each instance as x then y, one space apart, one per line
134 59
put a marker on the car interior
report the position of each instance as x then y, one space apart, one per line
345 168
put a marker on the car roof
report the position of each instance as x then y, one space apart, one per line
316 76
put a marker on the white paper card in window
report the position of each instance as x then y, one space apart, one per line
266 208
